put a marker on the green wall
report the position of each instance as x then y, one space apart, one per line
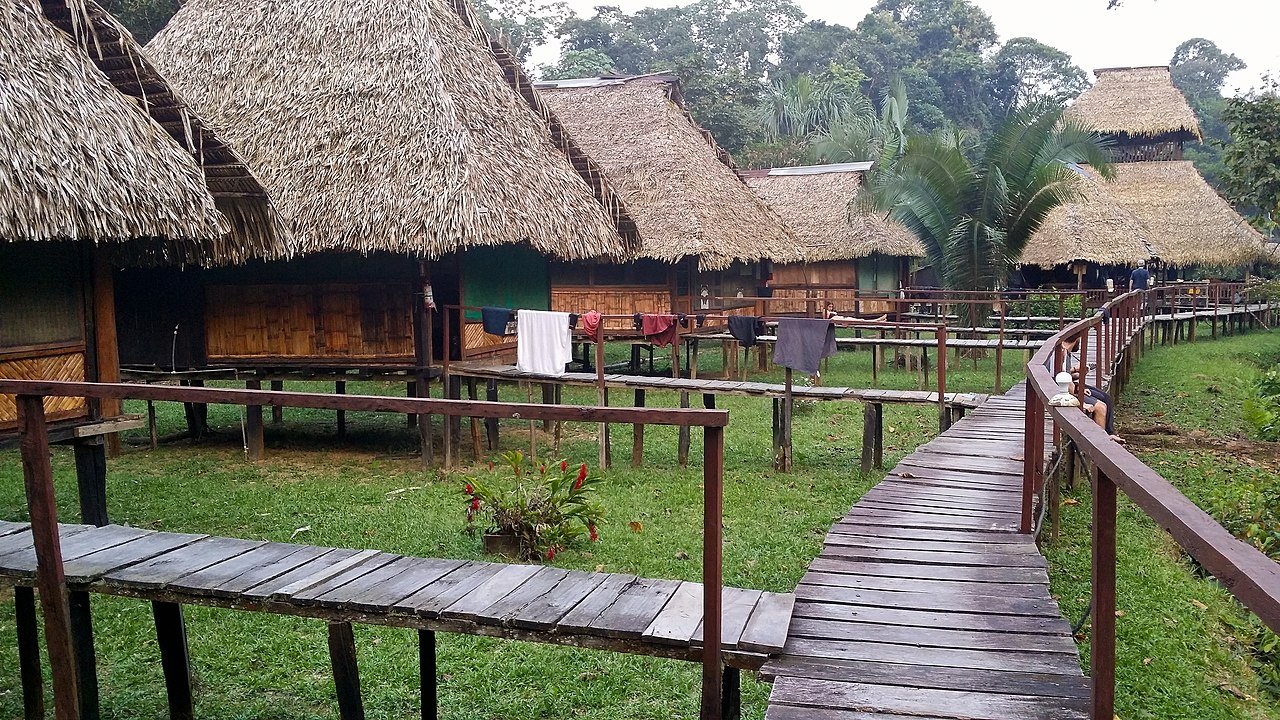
506 276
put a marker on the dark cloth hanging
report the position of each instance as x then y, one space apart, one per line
573 320
660 330
495 320
803 343
746 329
684 320
700 320
592 325
638 320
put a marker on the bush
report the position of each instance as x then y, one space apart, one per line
1262 411
1046 305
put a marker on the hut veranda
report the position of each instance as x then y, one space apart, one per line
414 165
101 165
706 240
844 253
1158 209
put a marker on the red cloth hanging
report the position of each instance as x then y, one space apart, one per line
659 329
592 326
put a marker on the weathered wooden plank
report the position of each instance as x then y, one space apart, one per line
553 606
1028 624
439 595
823 571
947 536
950 602
1019 575
1013 682
417 573
861 516
162 570
93 565
964 705
865 541
255 567
78 543
932 637
302 583
321 558
736 604
305 591
934 656
345 590
530 591
634 609
495 587
600 598
680 619
924 557
767 629
8 528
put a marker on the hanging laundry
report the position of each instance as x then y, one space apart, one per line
592 325
746 329
659 329
545 342
803 343
496 320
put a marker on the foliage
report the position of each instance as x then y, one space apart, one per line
1252 175
1200 70
547 511
1046 305
975 217
801 107
1262 411
578 64
143 18
522 25
1025 71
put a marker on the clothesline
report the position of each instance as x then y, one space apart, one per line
842 322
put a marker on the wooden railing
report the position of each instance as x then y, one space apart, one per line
1116 335
41 506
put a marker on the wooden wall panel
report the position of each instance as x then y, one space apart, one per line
324 321
67 366
616 300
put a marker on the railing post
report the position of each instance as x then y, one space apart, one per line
712 578
1028 463
37 476
944 417
1102 639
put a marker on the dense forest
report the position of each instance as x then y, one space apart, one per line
777 88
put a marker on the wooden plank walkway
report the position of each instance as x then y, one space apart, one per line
718 387
952 342
927 602
607 611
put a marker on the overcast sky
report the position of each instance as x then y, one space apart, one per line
1140 32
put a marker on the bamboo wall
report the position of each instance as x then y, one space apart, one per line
813 284
612 300
314 321
58 365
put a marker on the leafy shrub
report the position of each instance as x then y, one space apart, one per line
1262 411
1046 305
547 508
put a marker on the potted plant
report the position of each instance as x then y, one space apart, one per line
541 511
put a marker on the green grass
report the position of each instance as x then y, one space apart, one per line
369 492
1179 650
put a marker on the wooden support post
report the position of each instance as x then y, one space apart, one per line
452 423
86 656
411 390
346 674
1102 638
944 417
24 605
709 401
426 429
152 437
277 411
693 361
788 406
491 424
637 433
556 441
712 571
682 443
1026 524
602 399
171 634
91 480
868 437
777 431
731 704
427 674
476 452
197 414
879 441
254 442
340 387
38 480
548 398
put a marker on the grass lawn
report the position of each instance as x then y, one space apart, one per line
1181 639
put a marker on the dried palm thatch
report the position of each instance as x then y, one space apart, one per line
96 107
78 159
1161 210
1188 223
682 189
1097 229
1140 102
817 202
389 125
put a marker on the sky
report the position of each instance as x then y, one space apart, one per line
1139 32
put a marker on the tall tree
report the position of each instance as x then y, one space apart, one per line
523 24
578 64
976 217
143 18
1025 71
810 48
1252 159
1200 70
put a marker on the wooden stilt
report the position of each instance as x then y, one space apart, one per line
868 436
476 452
255 443
491 424
91 480
637 433
427 674
24 605
152 436
86 656
411 390
340 387
175 660
548 396
731 694
879 442
346 673
682 445
277 412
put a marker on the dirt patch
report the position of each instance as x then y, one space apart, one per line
1169 437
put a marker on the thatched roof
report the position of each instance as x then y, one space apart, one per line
682 189
817 202
1139 102
1151 210
84 151
389 125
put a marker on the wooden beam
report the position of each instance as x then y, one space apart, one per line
175 659
255 443
86 655
24 605
346 673
50 581
637 433
91 480
277 412
428 672
106 347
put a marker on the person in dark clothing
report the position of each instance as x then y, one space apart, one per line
1140 278
1099 406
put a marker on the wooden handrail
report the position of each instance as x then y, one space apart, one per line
1250 576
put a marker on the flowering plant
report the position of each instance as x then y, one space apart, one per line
547 509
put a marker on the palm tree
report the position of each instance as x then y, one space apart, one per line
976 217
866 136
802 107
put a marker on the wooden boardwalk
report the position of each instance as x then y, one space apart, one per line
925 600
607 611
491 371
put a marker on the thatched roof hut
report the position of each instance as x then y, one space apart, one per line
393 125
683 189
817 202
1151 210
1136 102
94 145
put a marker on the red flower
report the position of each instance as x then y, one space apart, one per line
475 504
543 468
582 475
471 489
490 466
591 530
551 553
564 466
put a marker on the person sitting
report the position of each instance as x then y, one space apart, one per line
1097 405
